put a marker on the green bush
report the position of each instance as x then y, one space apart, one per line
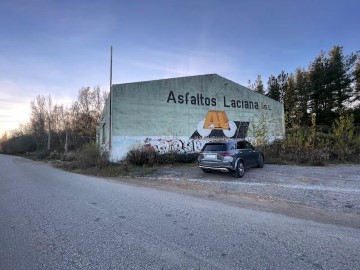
142 155
90 156
54 155
68 156
186 157
317 146
146 155
174 157
319 157
19 145
44 154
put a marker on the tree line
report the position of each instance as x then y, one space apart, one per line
56 127
327 89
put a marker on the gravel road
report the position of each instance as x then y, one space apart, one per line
332 190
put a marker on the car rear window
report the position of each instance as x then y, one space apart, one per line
215 147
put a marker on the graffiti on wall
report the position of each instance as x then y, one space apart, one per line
162 146
216 125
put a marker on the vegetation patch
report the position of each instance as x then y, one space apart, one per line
314 146
146 155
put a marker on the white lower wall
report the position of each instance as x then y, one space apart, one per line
123 144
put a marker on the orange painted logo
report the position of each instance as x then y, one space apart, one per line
216 120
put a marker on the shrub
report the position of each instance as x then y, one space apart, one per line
68 156
55 155
343 130
174 157
274 152
186 157
146 155
142 155
90 156
41 154
19 145
319 157
317 146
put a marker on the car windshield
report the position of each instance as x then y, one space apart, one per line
215 147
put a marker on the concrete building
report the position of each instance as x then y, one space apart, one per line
181 114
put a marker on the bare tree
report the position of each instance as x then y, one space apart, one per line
48 102
37 119
85 113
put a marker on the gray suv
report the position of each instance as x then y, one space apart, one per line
230 156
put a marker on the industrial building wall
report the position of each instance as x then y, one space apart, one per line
180 114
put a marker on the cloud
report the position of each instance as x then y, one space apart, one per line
177 62
15 98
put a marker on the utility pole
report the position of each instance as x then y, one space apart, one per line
110 107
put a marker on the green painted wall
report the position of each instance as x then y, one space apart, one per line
176 108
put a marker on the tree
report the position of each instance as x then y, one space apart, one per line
277 86
38 119
302 92
290 101
321 98
257 86
3 140
282 80
19 144
4 137
85 113
273 88
356 76
340 77
48 102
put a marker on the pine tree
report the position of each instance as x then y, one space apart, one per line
273 88
302 92
283 84
259 86
357 81
321 98
339 78
290 101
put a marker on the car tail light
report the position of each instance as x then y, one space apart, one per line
225 154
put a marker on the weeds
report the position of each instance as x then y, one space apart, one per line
313 146
146 155
142 155
87 158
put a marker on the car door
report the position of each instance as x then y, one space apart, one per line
244 153
253 154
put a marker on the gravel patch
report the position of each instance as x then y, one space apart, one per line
334 188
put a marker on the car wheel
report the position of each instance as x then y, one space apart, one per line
260 161
206 170
240 169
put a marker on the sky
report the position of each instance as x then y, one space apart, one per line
56 47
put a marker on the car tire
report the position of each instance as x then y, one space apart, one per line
206 170
260 161
240 169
